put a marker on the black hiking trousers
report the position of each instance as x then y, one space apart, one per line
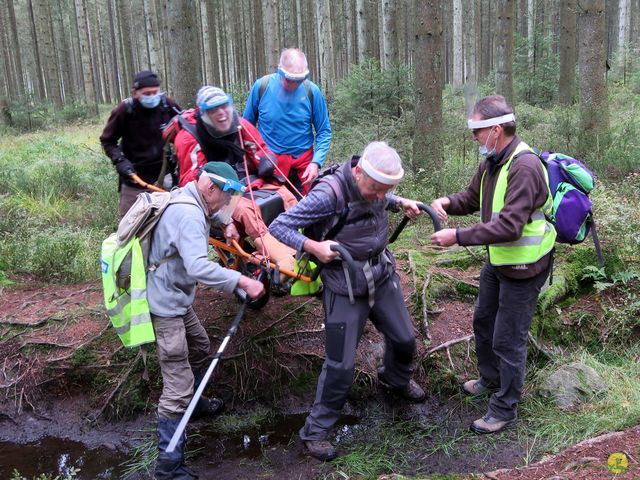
344 324
501 320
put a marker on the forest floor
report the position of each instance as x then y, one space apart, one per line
64 377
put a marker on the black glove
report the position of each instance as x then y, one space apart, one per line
124 167
266 167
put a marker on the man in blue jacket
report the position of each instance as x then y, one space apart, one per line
288 108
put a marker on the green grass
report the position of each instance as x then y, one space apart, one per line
551 429
57 202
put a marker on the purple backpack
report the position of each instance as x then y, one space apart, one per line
570 182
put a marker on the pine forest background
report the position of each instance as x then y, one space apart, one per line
390 58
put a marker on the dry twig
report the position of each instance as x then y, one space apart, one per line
425 322
448 344
272 324
122 379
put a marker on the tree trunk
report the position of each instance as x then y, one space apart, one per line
325 46
115 67
504 50
15 42
271 32
85 52
184 59
470 47
361 27
457 50
38 78
594 109
567 82
154 38
389 33
427 140
624 16
124 21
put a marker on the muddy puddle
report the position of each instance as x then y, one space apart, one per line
61 457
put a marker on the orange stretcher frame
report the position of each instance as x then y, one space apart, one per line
235 248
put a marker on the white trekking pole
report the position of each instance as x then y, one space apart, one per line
205 379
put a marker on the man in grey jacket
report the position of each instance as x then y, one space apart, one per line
179 248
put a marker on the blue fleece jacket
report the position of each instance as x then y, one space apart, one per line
286 120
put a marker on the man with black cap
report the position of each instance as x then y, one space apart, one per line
364 185
179 248
136 123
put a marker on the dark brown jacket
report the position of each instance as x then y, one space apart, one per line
139 135
526 192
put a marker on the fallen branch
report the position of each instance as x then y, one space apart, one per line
425 322
121 381
414 275
272 324
539 347
458 279
448 344
289 334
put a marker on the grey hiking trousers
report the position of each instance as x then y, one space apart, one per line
501 320
344 324
182 347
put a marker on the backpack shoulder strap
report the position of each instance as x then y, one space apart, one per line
342 209
189 127
307 87
128 105
263 86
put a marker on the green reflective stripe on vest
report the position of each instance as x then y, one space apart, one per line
538 235
128 310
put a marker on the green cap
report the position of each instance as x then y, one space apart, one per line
220 169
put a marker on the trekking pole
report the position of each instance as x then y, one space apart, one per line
205 379
405 220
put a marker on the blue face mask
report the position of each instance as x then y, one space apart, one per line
150 101
484 151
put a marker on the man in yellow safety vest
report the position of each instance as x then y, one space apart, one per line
511 190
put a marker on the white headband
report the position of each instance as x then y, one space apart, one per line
379 176
490 122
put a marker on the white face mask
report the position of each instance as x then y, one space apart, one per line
484 151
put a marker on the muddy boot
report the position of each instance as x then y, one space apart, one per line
280 254
206 407
170 466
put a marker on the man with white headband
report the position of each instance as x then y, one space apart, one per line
350 207
511 190
287 108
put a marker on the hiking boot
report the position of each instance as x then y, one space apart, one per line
474 387
489 424
411 392
321 449
207 407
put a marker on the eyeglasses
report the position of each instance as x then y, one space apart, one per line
476 131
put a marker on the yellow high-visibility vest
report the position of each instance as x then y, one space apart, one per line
538 235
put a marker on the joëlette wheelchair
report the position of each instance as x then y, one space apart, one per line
241 256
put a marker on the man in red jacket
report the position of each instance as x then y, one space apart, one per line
215 132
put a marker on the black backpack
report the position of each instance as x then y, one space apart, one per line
329 229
